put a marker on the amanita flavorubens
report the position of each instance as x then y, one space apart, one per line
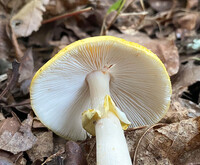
102 84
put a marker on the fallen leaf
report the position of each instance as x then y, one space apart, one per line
43 147
186 20
5 161
188 74
10 156
192 4
26 66
29 18
12 80
161 5
1 117
37 123
165 49
72 24
182 137
176 113
16 137
21 161
5 44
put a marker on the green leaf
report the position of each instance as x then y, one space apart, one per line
116 6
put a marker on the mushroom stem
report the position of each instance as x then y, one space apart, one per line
99 87
111 144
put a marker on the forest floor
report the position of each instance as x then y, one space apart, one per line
33 31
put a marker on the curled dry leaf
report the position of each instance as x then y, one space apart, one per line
16 137
43 147
28 19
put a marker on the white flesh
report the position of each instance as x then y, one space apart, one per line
111 144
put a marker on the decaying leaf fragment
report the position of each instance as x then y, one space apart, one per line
29 18
43 147
16 137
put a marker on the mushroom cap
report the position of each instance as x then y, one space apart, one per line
139 84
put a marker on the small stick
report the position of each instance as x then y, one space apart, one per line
66 15
53 156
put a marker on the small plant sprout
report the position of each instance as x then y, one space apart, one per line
101 85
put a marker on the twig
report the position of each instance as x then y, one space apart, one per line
91 150
67 15
141 138
19 54
61 151
134 13
26 102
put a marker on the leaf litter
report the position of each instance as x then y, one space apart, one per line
169 28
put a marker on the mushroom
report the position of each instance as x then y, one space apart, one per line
103 84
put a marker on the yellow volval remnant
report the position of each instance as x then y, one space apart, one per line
91 116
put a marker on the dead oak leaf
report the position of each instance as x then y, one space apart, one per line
28 19
182 136
16 137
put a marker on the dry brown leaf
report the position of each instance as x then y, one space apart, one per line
176 113
5 44
16 137
5 161
192 4
186 21
187 75
182 136
26 66
21 161
165 49
29 18
1 117
43 147
72 24
37 123
161 5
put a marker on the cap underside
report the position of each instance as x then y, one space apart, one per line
139 84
